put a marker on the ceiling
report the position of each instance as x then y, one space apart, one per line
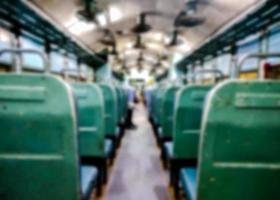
122 15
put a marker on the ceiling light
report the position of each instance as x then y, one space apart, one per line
157 36
73 20
154 46
129 45
115 14
4 36
102 19
81 27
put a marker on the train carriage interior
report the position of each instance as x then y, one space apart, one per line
139 99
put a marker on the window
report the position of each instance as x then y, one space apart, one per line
245 49
224 63
208 65
274 43
31 61
72 66
56 62
84 70
5 42
90 74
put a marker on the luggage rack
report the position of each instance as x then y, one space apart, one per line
224 41
22 20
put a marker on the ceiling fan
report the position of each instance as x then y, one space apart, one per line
189 17
89 11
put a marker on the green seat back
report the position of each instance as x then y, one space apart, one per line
124 102
168 111
90 109
110 103
187 120
159 106
119 103
153 105
38 140
240 142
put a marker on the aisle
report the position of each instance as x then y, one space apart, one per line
137 173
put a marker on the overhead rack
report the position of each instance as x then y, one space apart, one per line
19 18
225 40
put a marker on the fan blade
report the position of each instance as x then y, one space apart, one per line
183 20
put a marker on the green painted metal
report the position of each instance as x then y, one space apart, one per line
159 105
119 103
168 111
90 109
38 141
187 120
110 102
240 142
122 103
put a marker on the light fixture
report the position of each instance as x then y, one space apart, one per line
4 36
115 14
153 45
184 48
81 27
102 20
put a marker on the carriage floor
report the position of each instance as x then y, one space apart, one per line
137 173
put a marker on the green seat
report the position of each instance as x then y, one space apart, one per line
90 107
169 148
111 117
109 148
159 106
187 120
88 180
38 140
188 180
168 108
186 129
240 142
110 103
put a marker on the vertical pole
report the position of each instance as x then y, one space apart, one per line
66 67
17 58
47 52
201 63
263 49
79 75
233 72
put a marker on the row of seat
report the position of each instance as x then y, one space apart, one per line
220 141
57 138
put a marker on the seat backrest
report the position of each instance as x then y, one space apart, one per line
91 120
119 103
187 120
153 105
240 142
159 105
124 102
148 99
38 140
168 107
110 104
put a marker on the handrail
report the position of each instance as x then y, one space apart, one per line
18 67
65 72
206 71
255 55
